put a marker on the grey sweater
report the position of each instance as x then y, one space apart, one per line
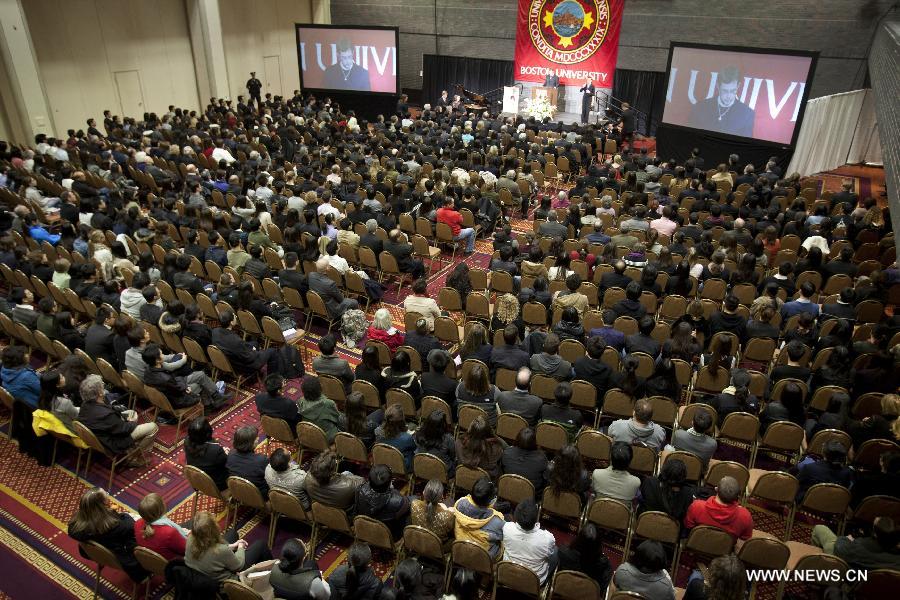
649 585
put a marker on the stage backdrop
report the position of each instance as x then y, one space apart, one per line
572 39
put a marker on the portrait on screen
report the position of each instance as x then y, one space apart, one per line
345 74
742 92
724 112
353 59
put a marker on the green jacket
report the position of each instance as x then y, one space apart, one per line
324 413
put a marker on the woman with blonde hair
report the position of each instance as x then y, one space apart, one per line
156 532
96 521
100 252
215 555
507 312
382 330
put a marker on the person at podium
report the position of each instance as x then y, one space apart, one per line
587 97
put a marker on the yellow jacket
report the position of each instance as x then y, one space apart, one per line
45 422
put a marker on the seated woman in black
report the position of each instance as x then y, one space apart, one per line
668 492
95 521
736 397
203 452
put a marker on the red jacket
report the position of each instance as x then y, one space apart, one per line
733 518
166 540
393 341
450 217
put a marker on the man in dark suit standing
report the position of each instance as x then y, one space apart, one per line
627 120
587 97
254 86
98 341
323 285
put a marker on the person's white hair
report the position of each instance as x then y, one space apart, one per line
511 174
382 319
91 388
562 195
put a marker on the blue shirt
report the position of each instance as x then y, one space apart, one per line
39 234
795 307
613 337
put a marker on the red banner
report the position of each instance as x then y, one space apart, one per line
574 40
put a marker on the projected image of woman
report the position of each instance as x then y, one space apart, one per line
724 112
345 74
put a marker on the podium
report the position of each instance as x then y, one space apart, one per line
551 94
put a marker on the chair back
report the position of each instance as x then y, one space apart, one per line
373 532
467 413
514 488
515 577
287 504
89 438
610 514
562 504
467 476
470 555
349 447
331 518
405 400
277 429
573 585
422 542
693 464
594 445
544 386
509 425
709 541
826 498
236 590
659 526
428 466
369 392
740 426
333 388
551 436
433 403
776 486
152 561
245 493
100 554
877 506
312 436
765 553
219 360
385 454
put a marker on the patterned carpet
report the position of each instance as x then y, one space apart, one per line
40 560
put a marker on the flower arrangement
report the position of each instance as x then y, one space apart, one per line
539 108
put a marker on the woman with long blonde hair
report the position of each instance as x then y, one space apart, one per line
96 521
507 311
210 553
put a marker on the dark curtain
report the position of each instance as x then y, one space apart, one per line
478 75
677 142
646 92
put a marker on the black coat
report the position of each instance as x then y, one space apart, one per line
243 356
403 253
278 407
120 541
98 343
113 431
211 460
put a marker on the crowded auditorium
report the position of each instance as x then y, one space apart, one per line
449 300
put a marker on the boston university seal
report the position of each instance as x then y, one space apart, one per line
568 31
